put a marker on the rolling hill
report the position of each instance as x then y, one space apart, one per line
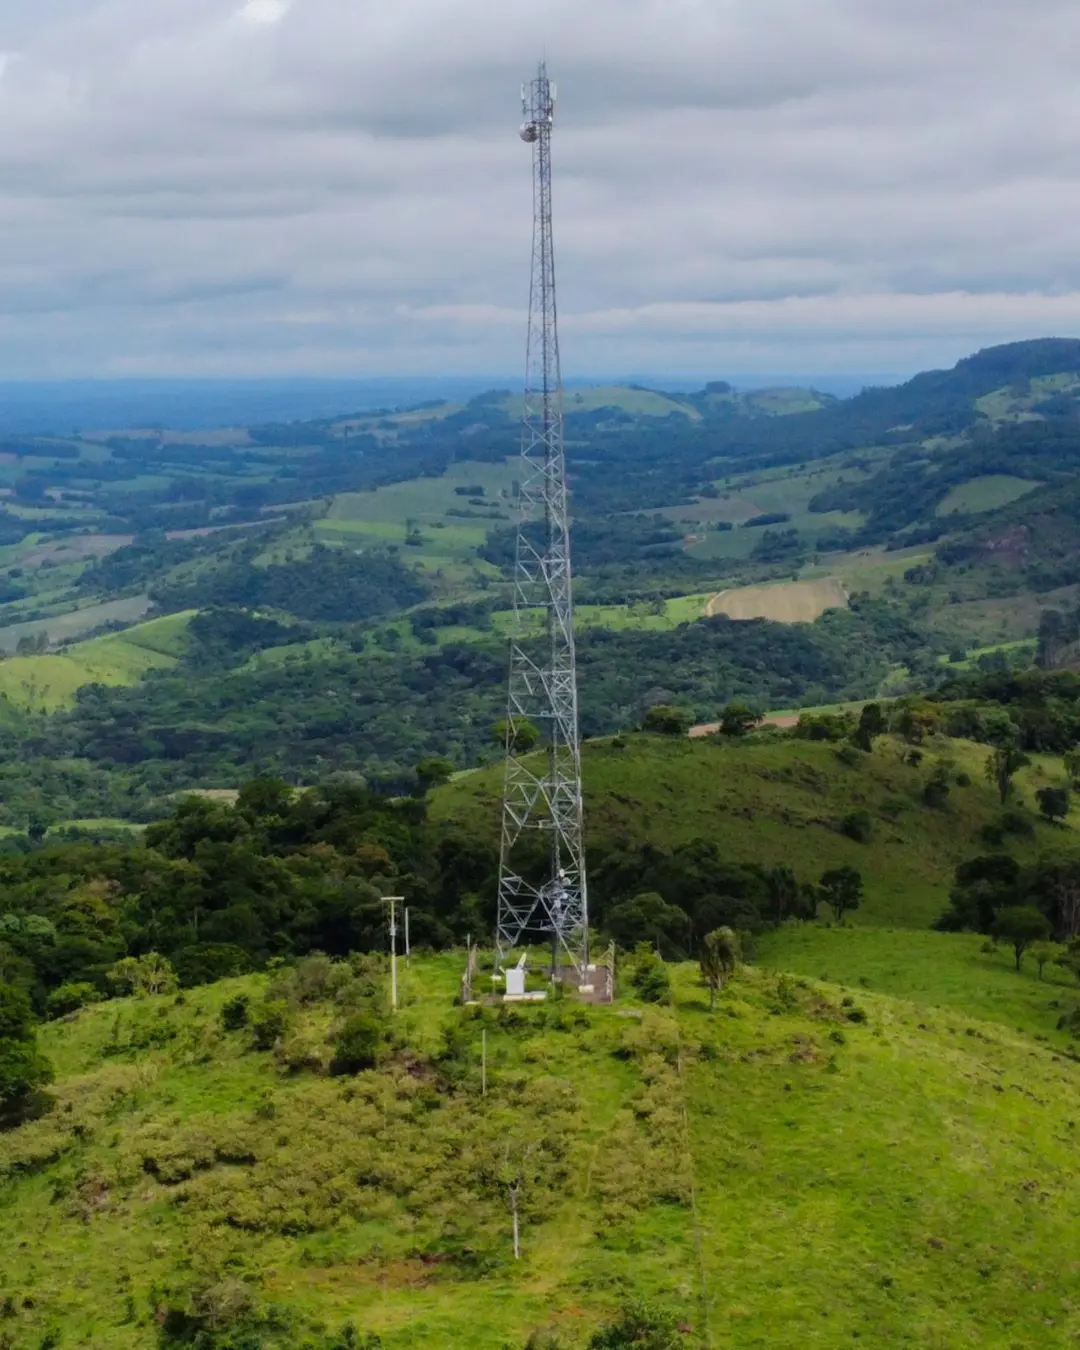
803 1166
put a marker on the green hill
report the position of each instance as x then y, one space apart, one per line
775 801
799 1167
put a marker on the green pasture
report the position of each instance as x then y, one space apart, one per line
50 681
949 974
985 494
803 1166
775 800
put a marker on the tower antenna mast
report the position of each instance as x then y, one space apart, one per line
542 888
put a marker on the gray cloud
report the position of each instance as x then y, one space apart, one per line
335 186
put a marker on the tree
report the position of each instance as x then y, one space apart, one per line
1072 767
1021 925
719 957
737 719
841 889
647 918
1044 952
786 894
23 1069
516 734
149 974
665 720
433 772
872 722
1001 764
1053 802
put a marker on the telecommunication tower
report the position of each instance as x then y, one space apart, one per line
542 890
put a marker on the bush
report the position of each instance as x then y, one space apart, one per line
665 720
70 997
23 1069
641 1326
234 1014
859 826
359 1044
651 979
271 1024
849 755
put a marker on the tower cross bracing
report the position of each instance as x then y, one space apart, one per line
542 884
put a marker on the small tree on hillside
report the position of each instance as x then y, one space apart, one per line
1001 765
1022 926
433 772
1053 803
149 974
872 723
1072 767
841 889
1044 953
719 957
516 734
666 720
737 720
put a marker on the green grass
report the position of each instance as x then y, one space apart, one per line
985 494
948 972
777 800
50 681
775 1173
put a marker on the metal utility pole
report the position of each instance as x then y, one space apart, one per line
393 901
542 888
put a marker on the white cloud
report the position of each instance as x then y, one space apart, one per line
265 11
740 184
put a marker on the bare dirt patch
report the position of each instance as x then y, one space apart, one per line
782 602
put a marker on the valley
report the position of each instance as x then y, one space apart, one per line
250 687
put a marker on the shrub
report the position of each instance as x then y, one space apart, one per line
23 1069
847 754
70 997
665 720
859 826
651 978
359 1044
234 1013
963 779
271 1023
640 1326
149 974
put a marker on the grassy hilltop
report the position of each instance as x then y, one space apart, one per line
804 1166
784 801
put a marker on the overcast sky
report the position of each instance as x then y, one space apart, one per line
336 187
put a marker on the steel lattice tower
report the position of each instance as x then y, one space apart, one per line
542 887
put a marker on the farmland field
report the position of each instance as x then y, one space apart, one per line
75 622
782 602
985 494
46 682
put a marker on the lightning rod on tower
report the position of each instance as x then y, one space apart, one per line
542 888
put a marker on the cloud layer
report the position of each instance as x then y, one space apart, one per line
336 187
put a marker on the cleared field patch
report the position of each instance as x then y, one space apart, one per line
166 636
985 494
640 402
74 623
437 519
783 602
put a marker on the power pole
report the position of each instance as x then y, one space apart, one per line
393 901
545 896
